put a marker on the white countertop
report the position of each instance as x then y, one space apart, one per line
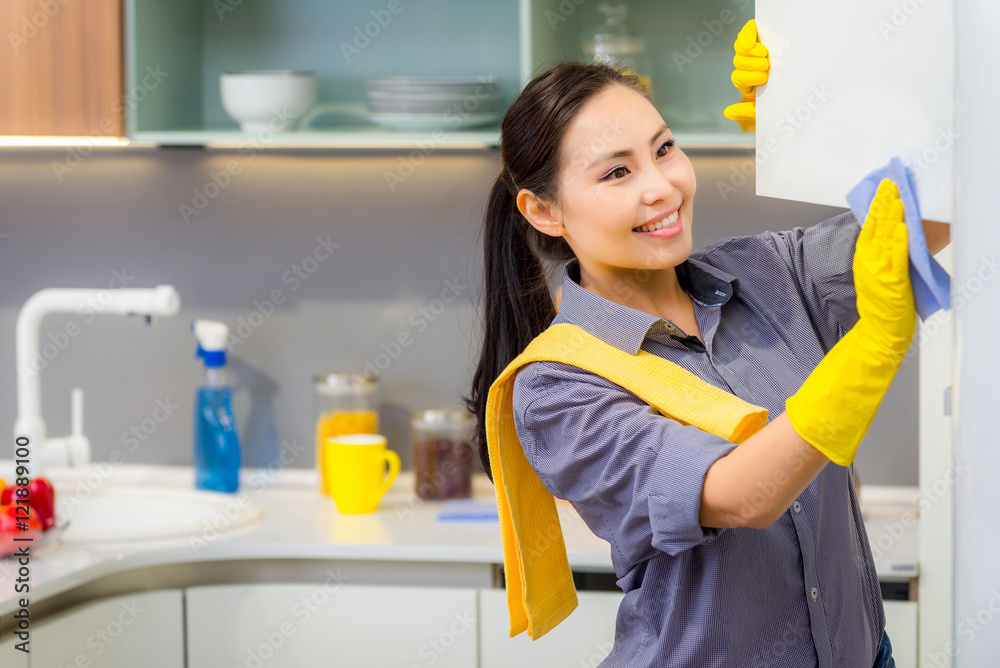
298 522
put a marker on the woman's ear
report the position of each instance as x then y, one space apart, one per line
543 217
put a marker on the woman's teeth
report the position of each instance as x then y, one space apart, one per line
669 221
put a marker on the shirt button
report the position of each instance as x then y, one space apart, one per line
797 507
814 593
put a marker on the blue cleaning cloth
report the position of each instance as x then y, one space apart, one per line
931 283
466 510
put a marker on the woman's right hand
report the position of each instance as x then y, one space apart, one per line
882 274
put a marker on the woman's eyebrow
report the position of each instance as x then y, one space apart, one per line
627 152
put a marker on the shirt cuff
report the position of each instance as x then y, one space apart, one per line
675 490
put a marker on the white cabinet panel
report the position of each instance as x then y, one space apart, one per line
852 84
143 629
582 639
10 657
901 625
293 625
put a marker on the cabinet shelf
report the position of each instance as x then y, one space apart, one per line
368 138
190 43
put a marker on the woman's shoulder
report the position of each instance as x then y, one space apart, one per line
546 381
733 253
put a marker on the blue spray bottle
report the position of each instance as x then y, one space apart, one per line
216 444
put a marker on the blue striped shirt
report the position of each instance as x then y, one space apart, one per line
802 592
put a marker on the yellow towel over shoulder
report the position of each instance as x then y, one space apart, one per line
540 591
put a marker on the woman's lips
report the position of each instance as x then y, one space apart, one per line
666 232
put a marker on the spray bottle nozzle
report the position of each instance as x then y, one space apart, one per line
211 336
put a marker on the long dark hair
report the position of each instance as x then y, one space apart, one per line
517 303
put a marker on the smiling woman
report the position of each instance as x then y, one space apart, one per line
655 399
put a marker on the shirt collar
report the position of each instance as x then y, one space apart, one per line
626 328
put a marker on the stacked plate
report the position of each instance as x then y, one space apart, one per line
431 103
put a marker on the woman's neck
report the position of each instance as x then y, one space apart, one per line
656 292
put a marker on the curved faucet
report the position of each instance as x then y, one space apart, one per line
72 450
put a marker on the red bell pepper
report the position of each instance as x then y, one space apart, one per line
42 497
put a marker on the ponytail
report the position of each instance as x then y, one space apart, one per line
518 305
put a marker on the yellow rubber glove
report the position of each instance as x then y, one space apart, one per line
752 65
837 403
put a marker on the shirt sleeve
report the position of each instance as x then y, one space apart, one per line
820 260
634 475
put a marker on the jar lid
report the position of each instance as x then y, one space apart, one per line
343 384
442 417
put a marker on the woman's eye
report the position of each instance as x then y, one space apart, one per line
616 170
663 149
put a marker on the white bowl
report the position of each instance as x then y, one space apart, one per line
262 100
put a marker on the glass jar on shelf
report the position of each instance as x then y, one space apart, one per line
612 44
442 453
346 404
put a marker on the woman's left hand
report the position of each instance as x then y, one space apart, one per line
752 64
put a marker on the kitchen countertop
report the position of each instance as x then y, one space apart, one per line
298 522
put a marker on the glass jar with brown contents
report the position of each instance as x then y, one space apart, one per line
442 453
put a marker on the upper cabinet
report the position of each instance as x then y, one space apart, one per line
177 50
61 68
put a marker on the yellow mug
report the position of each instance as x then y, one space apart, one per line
355 466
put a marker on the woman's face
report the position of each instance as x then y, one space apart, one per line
618 172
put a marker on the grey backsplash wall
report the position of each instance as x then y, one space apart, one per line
117 212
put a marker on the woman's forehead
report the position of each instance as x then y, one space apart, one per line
613 120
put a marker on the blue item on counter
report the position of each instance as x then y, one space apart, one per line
216 443
217 446
931 283
466 510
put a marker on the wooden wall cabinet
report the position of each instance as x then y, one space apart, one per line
61 68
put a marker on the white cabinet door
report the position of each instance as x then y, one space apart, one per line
852 84
582 639
10 657
294 625
143 629
901 626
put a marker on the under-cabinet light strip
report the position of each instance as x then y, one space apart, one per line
61 140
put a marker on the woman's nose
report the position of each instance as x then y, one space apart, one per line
658 185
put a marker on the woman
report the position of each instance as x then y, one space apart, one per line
749 555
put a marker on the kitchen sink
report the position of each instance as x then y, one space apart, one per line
127 514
